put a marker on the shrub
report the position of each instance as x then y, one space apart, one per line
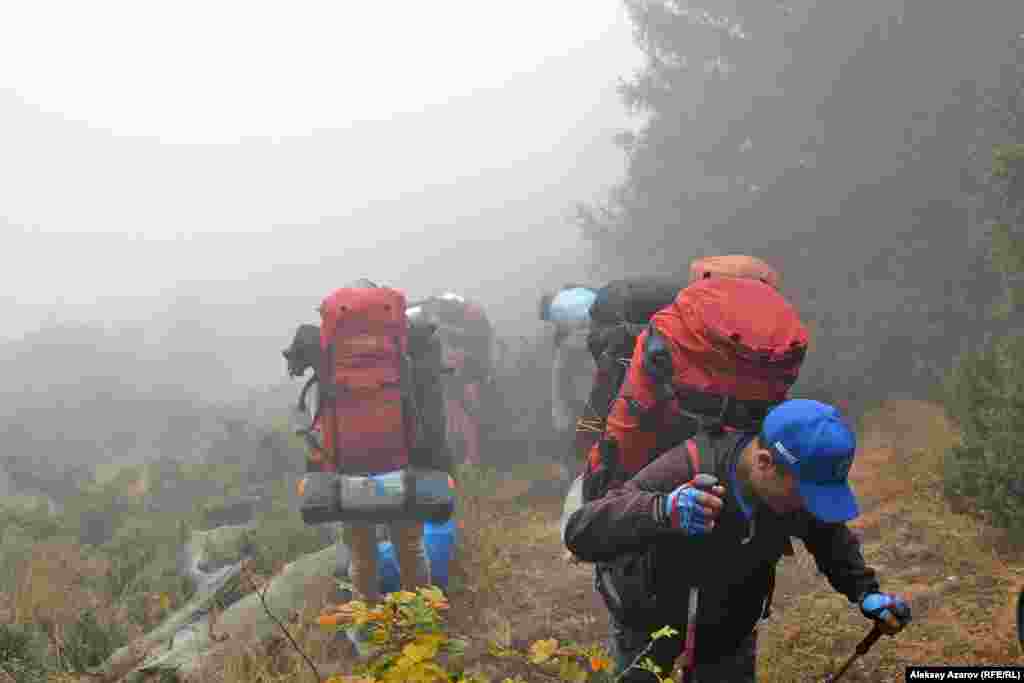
87 643
21 646
985 397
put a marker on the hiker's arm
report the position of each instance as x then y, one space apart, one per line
630 516
837 552
621 521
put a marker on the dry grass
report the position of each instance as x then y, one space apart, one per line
51 586
511 584
242 660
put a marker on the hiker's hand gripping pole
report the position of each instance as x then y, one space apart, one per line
694 507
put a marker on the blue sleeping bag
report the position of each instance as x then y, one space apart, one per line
571 305
440 542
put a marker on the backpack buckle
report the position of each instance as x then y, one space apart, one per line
714 424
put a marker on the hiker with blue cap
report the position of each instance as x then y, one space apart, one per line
693 541
572 369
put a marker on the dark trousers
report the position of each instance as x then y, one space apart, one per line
627 644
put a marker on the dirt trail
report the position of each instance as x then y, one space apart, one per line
959 575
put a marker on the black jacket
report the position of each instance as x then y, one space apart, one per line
628 534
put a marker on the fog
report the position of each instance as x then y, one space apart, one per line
181 189
490 148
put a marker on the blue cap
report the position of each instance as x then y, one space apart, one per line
811 439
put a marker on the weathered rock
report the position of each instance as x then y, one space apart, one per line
209 551
183 642
214 561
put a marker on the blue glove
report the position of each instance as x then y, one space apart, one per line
891 612
694 506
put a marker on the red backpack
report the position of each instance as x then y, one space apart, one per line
367 411
720 356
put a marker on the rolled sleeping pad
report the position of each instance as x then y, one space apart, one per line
440 542
571 305
573 502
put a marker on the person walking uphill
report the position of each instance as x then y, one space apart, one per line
717 541
379 408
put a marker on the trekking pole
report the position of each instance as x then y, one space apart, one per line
862 649
704 482
690 649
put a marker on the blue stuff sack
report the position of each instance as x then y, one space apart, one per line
440 542
571 305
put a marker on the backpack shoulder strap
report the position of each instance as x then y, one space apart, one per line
703 448
693 452
301 405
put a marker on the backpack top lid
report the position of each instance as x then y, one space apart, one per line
356 310
745 324
736 266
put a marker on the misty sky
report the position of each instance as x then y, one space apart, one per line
148 146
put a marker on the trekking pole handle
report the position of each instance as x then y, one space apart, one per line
704 482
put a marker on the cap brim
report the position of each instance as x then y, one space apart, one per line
830 503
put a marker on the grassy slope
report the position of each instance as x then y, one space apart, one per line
961 575
512 583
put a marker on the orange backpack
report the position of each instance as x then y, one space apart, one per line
734 265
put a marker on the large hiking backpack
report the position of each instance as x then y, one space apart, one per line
465 330
618 315
426 368
467 340
720 356
367 409
623 308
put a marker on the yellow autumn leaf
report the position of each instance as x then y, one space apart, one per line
664 632
379 614
165 601
435 640
497 650
432 593
402 597
427 672
542 650
418 651
572 672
